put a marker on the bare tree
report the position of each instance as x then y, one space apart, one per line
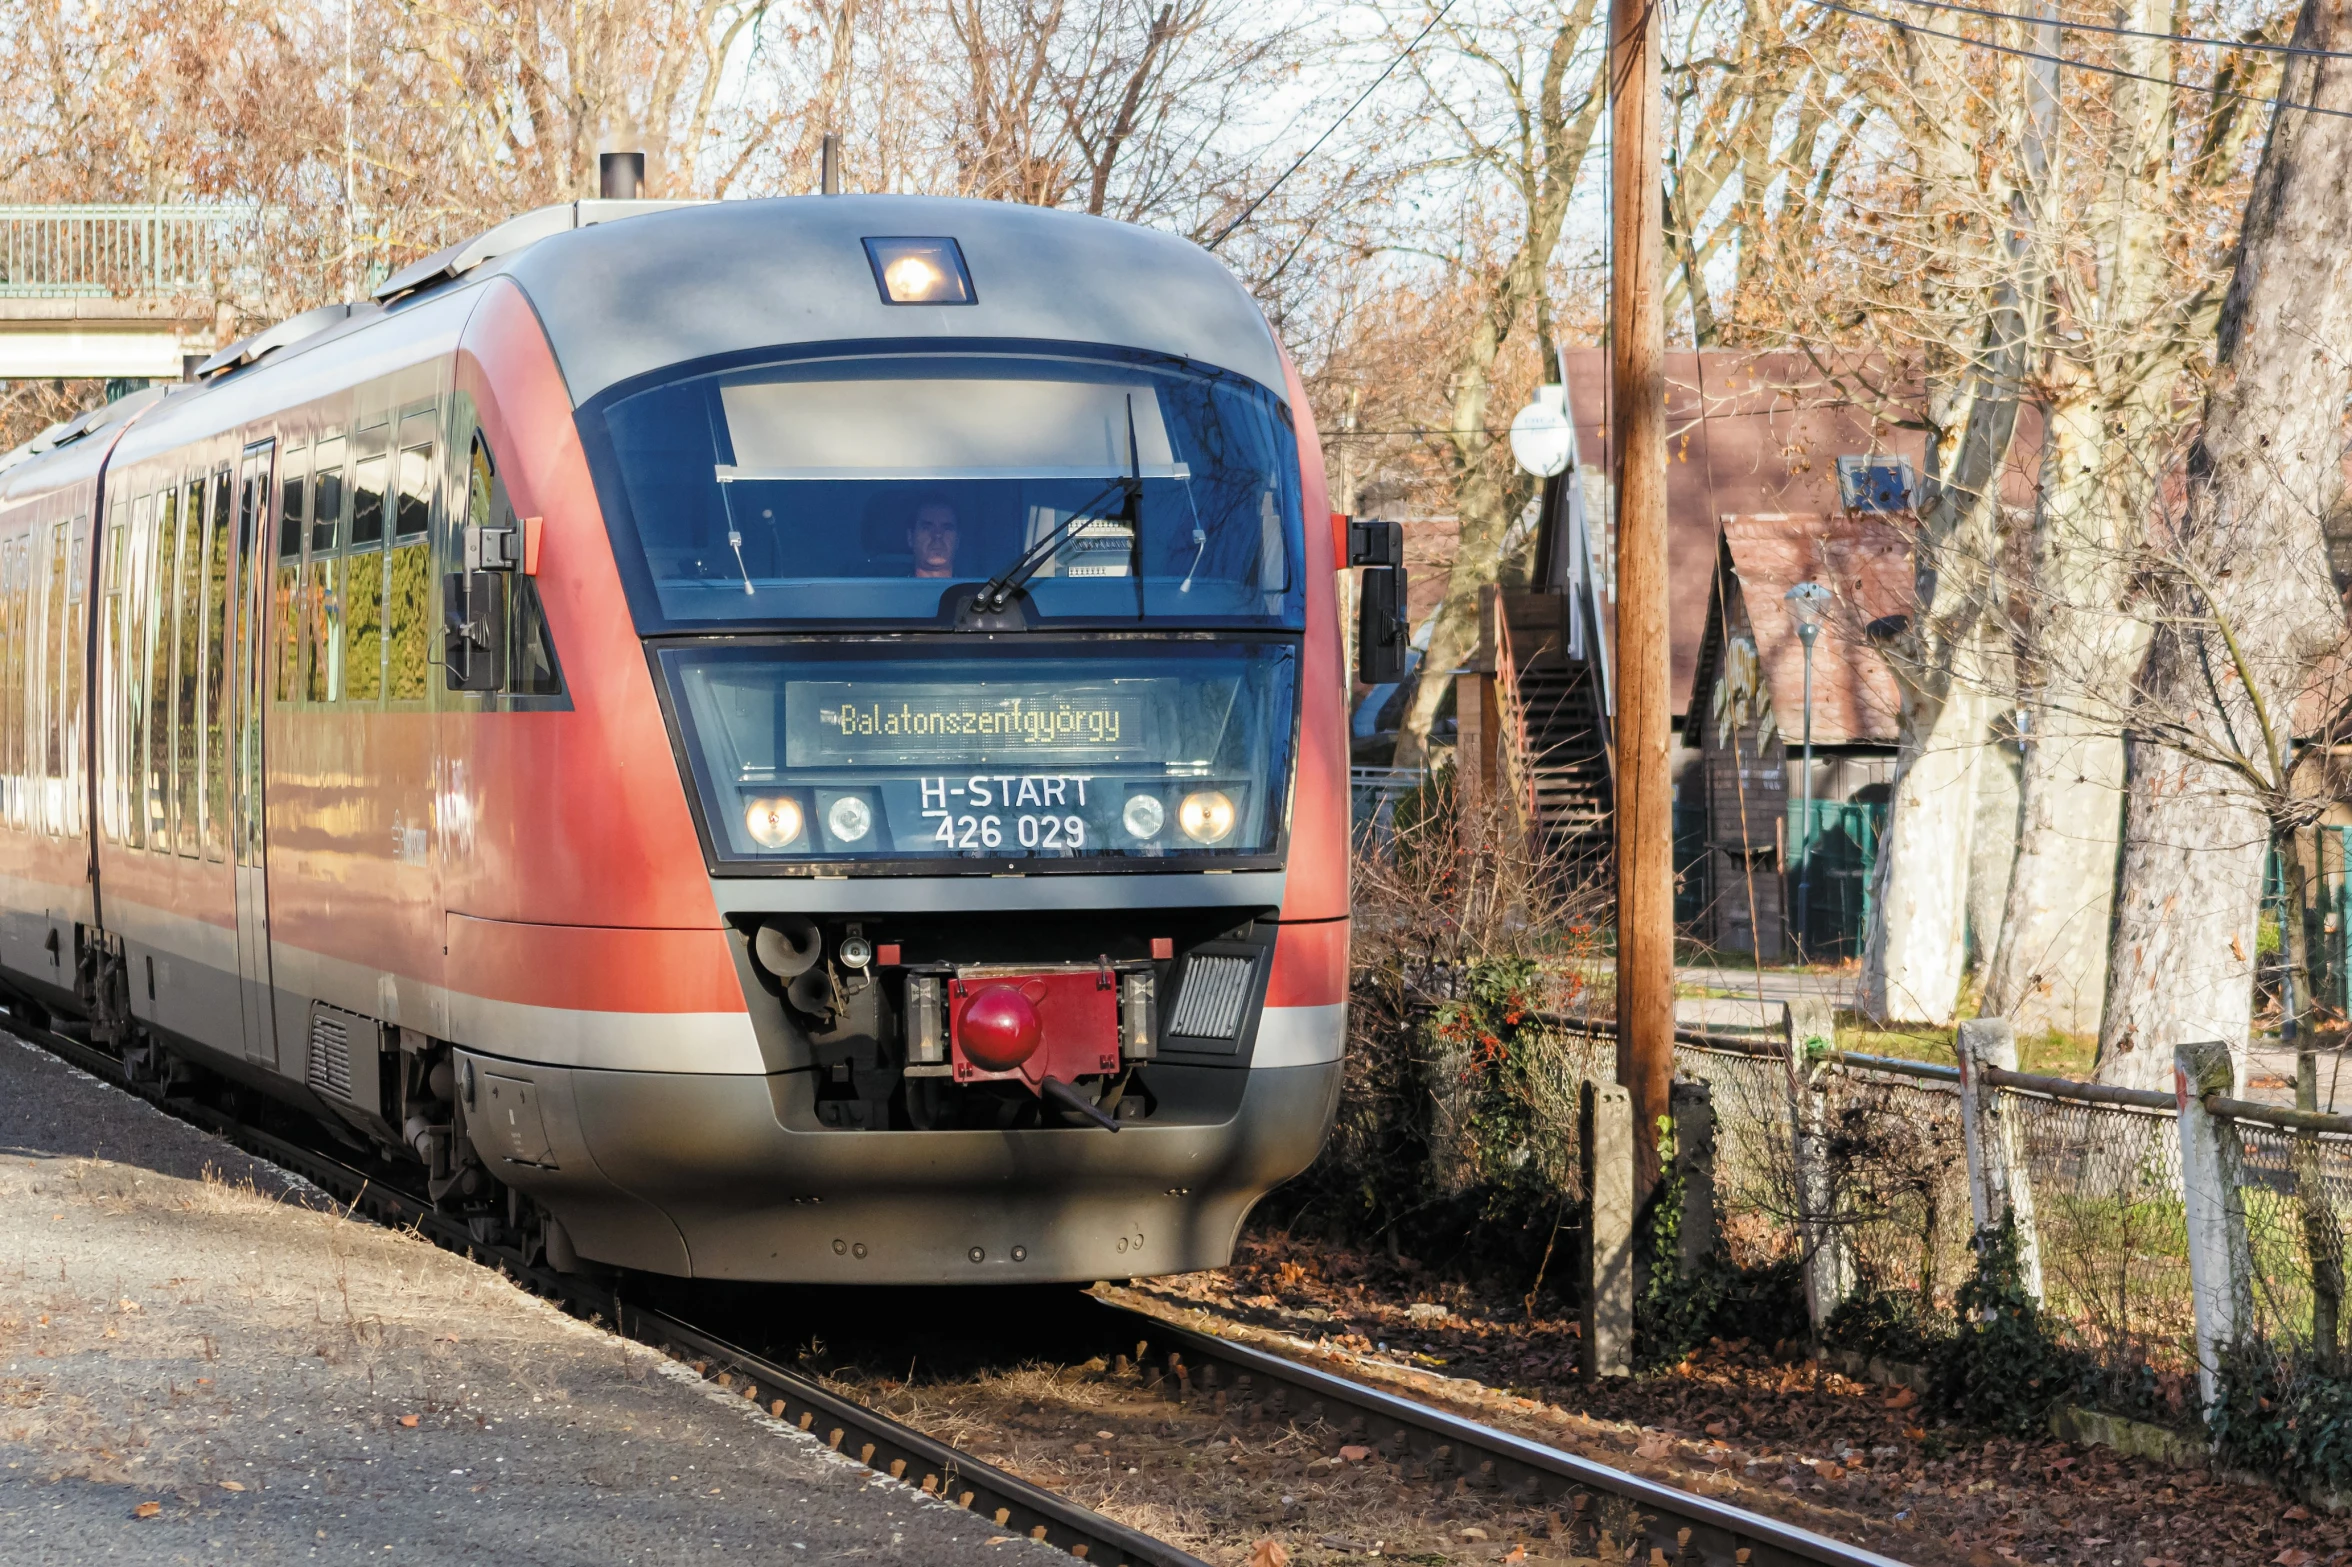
1522 126
2134 311
2246 605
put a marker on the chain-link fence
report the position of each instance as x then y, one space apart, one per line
2112 1244
2092 1177
2295 1191
1894 1157
1755 1167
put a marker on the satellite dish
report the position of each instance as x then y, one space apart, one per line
1542 439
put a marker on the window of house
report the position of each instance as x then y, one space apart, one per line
1875 483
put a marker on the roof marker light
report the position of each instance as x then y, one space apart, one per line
921 272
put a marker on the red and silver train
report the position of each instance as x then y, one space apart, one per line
782 740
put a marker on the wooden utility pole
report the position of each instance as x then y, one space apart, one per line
1645 793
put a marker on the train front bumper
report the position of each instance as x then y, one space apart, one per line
695 1174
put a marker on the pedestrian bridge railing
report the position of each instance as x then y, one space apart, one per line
124 252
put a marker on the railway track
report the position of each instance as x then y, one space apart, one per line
1230 1382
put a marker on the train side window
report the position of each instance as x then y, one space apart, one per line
29 670
213 792
75 802
326 516
187 668
285 623
108 674
124 665
13 705
500 601
162 548
415 506
137 628
54 708
294 487
367 501
322 610
410 594
363 624
11 682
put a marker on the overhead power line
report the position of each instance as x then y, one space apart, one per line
1250 210
2076 65
2250 45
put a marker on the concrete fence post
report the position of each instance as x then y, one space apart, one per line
1999 1183
1807 1024
1607 1142
2212 1176
1693 1105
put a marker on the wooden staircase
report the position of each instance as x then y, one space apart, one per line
1563 736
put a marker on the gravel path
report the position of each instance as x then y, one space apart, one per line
201 1362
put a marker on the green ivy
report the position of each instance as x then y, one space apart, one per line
1675 1308
2285 1417
2002 1369
1678 1307
1886 1323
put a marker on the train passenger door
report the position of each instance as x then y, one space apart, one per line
247 705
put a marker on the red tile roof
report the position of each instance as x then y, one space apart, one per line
1865 562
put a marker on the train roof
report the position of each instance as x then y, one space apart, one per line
628 288
622 298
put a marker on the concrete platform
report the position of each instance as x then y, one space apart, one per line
201 1362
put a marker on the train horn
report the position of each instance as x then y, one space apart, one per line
788 946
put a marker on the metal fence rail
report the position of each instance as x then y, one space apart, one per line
123 252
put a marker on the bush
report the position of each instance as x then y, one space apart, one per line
1456 1128
2286 1417
2001 1368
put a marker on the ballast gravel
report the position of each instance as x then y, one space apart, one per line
202 1361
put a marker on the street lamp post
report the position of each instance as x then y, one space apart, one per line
1806 603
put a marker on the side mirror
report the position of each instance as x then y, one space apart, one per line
473 630
1381 634
1375 541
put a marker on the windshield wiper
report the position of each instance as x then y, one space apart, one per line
999 589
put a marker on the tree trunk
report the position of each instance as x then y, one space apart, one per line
2050 969
1992 837
2182 968
2244 589
1913 961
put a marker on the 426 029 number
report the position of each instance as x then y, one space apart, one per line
974 831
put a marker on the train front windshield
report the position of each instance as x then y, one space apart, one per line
1046 748
883 488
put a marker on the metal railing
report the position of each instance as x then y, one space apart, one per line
123 252
1373 793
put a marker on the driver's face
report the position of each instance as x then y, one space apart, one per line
933 541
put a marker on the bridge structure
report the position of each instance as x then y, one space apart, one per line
91 292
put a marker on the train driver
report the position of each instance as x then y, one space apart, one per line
931 537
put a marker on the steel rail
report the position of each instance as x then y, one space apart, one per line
1685 1526
851 1428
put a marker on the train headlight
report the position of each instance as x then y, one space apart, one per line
912 278
774 821
1144 815
1206 815
920 271
850 818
